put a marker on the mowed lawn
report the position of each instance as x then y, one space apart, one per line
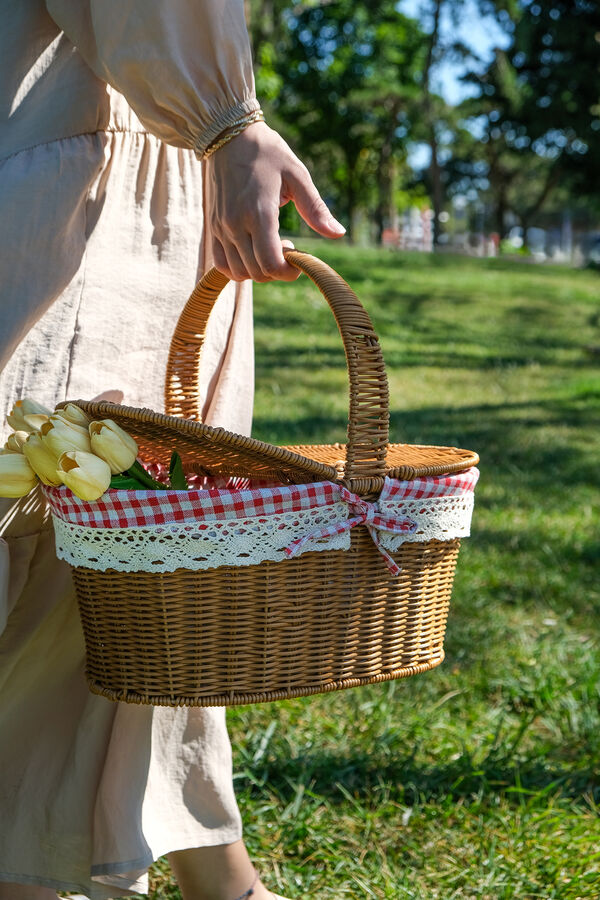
479 779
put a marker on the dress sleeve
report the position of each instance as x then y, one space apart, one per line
184 66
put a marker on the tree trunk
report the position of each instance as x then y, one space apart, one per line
500 214
350 211
550 183
434 166
385 213
524 222
437 194
351 195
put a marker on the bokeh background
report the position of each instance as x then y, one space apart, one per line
472 125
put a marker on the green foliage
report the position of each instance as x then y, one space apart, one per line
177 478
268 80
537 117
556 55
341 78
493 155
349 85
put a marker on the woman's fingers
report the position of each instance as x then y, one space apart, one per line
242 260
228 260
268 252
310 204
219 258
242 245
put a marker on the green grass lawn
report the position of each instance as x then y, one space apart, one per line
479 779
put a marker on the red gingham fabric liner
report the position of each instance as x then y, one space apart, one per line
427 488
130 509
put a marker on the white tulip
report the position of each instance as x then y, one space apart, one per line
27 415
113 444
17 477
15 441
41 459
85 474
59 435
73 414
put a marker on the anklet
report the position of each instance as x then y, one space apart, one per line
250 890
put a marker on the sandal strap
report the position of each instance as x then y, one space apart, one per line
250 890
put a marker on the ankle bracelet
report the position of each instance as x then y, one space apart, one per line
250 890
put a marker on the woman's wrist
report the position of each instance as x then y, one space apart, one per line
232 131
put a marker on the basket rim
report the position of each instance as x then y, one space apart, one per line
286 457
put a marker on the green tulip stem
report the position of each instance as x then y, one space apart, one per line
138 472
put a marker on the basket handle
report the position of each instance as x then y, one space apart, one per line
368 419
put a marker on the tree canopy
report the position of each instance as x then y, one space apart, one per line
350 85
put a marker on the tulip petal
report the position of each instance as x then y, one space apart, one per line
59 436
41 460
113 444
73 414
84 473
17 478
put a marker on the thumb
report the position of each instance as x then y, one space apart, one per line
311 205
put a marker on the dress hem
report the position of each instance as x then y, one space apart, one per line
224 836
100 874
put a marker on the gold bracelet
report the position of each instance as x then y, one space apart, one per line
233 130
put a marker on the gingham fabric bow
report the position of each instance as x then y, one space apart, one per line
365 514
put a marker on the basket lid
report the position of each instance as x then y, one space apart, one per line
218 452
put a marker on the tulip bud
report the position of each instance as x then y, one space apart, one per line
57 419
17 477
59 435
85 474
27 415
73 414
27 407
34 423
41 459
113 444
14 443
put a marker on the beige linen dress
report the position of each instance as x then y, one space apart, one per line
104 106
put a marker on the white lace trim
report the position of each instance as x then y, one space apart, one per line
164 548
248 541
437 518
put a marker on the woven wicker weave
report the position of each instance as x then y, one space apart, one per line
325 621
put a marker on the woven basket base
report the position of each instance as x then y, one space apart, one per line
245 634
237 699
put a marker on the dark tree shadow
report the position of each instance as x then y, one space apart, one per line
409 781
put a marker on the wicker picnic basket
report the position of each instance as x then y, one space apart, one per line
328 619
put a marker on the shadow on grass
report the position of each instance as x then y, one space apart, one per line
410 782
438 355
500 434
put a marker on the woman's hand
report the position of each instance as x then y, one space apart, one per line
252 176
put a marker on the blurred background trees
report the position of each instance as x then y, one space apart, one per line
355 89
